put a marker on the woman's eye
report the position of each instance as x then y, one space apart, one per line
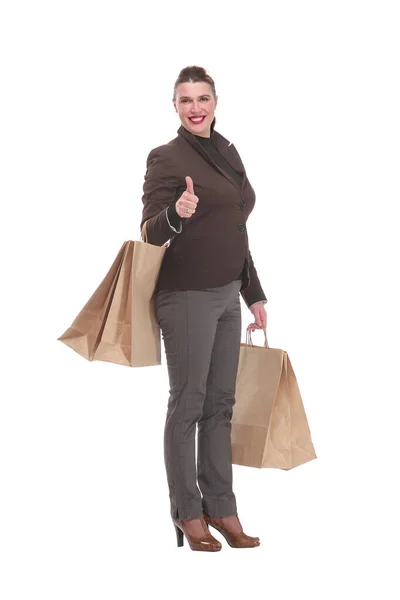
187 100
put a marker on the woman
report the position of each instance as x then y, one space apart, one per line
196 194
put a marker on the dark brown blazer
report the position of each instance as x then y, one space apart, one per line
213 246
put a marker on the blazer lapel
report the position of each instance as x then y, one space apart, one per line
227 150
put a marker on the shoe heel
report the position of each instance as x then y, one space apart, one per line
179 535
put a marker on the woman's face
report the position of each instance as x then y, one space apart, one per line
195 100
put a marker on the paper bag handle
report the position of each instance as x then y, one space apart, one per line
144 232
249 341
144 235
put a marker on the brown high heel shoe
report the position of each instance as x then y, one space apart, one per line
235 539
206 542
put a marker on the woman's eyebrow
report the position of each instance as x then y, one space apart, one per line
201 96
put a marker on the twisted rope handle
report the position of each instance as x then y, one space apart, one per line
144 232
249 340
144 236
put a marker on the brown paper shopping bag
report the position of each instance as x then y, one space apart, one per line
118 322
269 423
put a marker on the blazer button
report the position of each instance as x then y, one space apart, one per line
241 226
241 206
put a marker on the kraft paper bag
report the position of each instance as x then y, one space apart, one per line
269 423
118 322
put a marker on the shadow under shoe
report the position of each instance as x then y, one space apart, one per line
205 542
235 539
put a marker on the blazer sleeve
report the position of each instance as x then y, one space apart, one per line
173 218
254 293
160 191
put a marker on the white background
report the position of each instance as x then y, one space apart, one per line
309 93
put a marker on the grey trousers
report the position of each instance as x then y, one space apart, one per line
201 330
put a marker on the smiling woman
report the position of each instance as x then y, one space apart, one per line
196 111
197 306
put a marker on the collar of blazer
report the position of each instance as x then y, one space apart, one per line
226 148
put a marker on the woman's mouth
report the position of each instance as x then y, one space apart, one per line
197 120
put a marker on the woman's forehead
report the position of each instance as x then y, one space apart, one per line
193 89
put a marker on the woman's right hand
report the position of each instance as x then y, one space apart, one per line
188 200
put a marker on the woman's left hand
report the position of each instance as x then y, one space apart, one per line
260 316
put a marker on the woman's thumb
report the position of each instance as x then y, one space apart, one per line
189 184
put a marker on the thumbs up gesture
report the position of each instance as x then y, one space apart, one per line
186 205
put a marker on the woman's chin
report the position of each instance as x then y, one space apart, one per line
197 129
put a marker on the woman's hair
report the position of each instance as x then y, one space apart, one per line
193 74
